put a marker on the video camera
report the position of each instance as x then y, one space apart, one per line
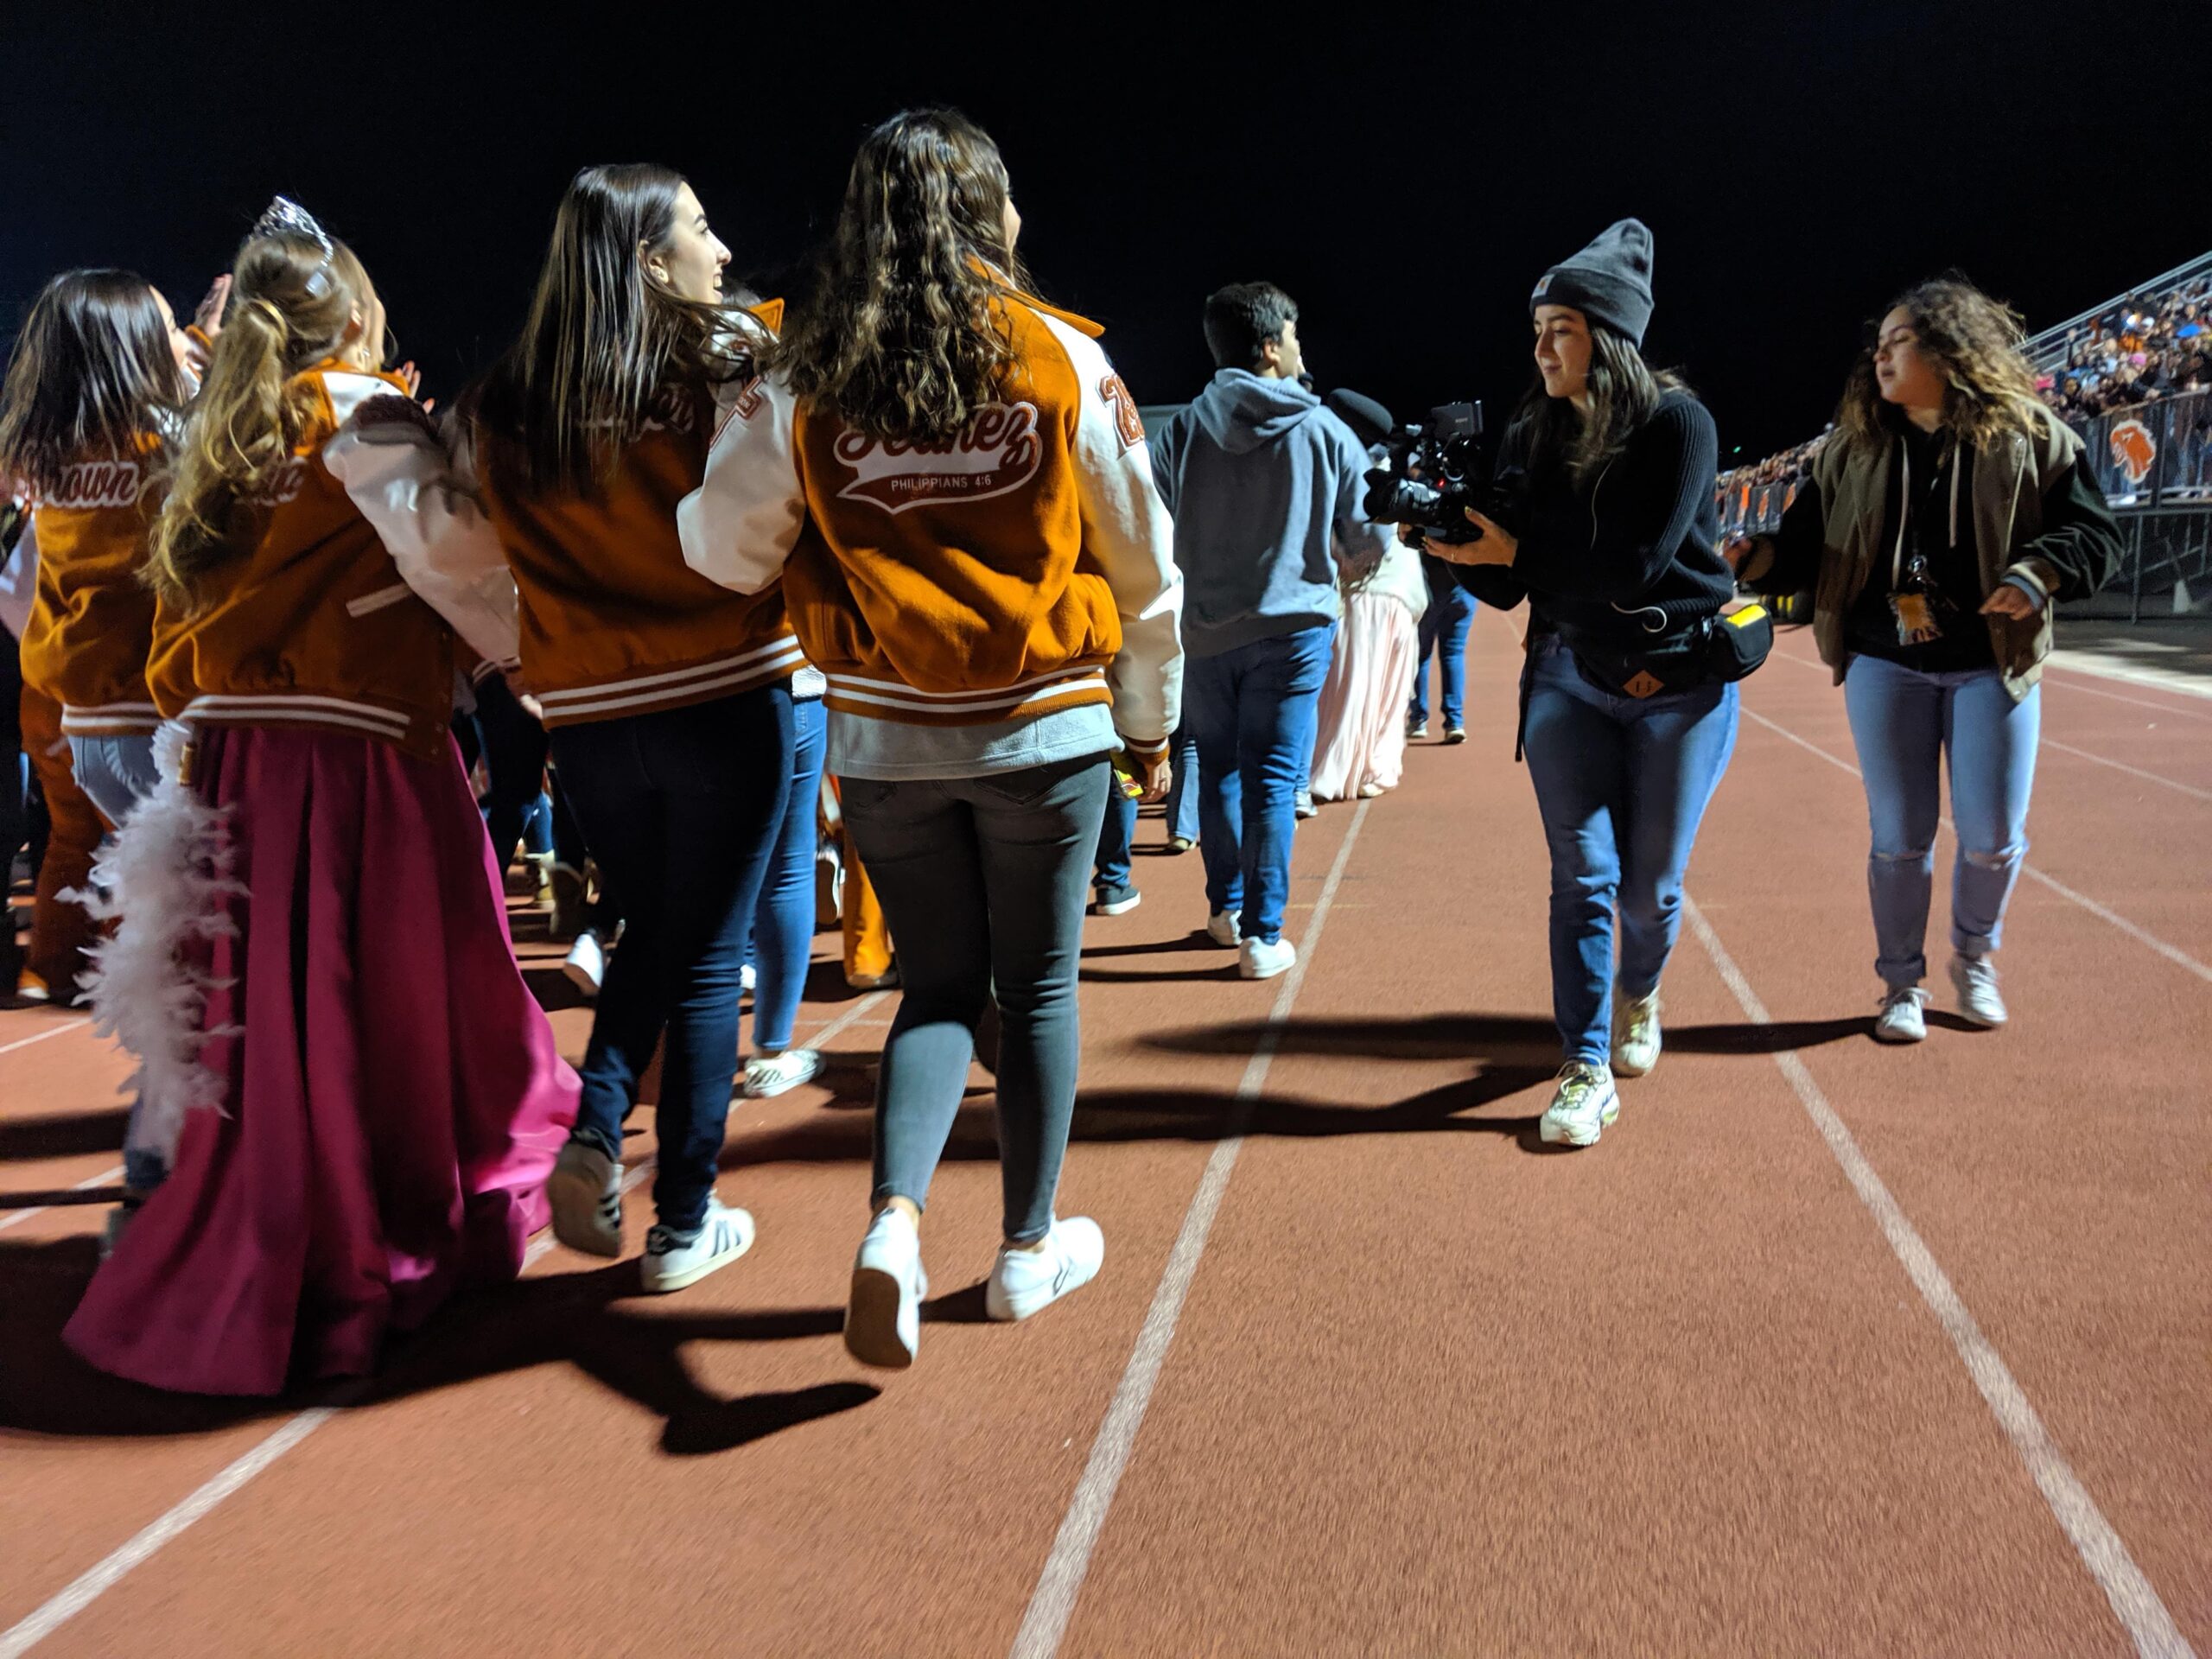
1436 470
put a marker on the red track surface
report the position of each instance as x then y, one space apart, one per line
1432 1390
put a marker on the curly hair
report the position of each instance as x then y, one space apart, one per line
285 317
903 337
1974 343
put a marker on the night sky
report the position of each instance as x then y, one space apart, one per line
1405 173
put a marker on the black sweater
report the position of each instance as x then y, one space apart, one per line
1637 545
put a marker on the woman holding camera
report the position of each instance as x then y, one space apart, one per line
1943 520
1629 711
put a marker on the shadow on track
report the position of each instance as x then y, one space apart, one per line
577 1318
62 1134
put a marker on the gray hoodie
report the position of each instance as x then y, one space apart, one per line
1265 486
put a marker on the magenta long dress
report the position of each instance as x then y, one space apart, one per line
394 1098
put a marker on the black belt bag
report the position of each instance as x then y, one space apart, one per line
1721 649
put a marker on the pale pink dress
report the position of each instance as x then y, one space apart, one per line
1360 733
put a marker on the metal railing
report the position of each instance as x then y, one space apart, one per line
2154 454
2048 349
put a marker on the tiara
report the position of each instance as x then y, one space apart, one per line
283 216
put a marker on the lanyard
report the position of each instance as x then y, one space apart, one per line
1904 509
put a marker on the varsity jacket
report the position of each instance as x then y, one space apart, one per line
333 616
1021 568
91 626
613 620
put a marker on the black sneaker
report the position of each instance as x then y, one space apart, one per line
1116 901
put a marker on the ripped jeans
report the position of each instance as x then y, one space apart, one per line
1907 725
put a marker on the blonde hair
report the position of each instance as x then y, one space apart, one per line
293 299
1974 343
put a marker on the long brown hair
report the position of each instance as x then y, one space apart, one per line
91 374
605 344
1975 342
293 298
902 338
1623 390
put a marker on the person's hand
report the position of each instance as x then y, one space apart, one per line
411 378
207 316
1496 544
2010 600
1154 774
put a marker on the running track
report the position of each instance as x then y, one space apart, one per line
1826 1348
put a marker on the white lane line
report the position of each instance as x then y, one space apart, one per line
2142 935
2133 1600
2139 702
17 1218
2132 771
2172 682
1052 1603
40 1037
103 1575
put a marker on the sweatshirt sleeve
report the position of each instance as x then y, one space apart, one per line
1614 540
737 528
2078 551
418 496
1126 529
1165 453
1360 543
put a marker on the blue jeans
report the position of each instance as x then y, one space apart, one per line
116 772
1444 627
982 881
1622 783
1253 711
681 808
1906 724
781 942
1183 788
1115 836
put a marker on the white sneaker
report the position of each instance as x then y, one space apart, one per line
1116 901
1900 1020
1261 960
585 966
1975 980
828 889
1023 1282
584 1190
1304 804
1582 1106
1416 729
1226 928
724 1235
1636 1035
883 1317
1370 792
769 1075
747 979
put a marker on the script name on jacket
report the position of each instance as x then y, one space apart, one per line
111 483
996 452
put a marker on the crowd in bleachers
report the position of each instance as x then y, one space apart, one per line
2146 357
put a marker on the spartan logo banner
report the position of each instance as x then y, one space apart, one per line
996 452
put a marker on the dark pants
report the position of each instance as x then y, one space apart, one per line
681 808
14 782
1116 834
982 881
514 747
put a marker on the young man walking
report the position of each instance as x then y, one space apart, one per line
1265 485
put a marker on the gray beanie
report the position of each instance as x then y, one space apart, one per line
1609 282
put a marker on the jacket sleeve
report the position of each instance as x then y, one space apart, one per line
19 578
1126 529
1788 562
419 497
737 528
1614 540
1360 543
2078 551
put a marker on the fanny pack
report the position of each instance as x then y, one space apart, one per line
1719 649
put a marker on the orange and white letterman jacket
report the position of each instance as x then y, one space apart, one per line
1021 569
613 622
91 627
336 618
